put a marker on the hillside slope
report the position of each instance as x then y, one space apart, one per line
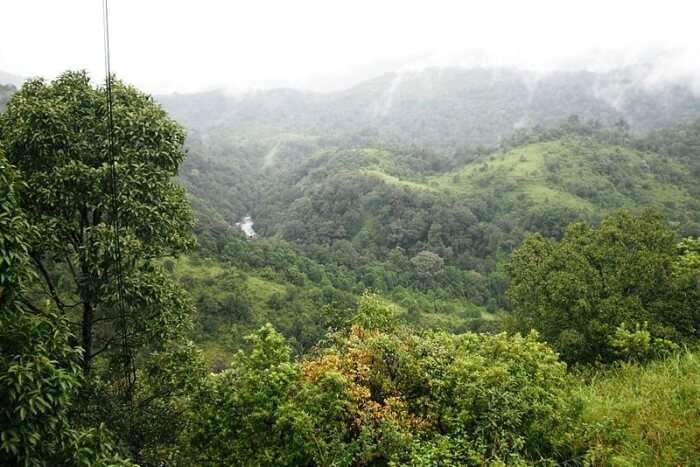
445 108
396 219
537 187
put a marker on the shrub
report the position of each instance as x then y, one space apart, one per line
378 396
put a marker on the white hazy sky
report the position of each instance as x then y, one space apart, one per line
186 45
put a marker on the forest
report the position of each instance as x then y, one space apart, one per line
477 273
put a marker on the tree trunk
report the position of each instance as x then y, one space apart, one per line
88 316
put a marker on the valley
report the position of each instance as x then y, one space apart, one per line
447 266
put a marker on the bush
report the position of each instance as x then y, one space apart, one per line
638 345
374 396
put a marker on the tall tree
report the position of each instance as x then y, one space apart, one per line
57 136
39 371
101 229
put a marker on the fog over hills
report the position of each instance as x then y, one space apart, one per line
447 107
324 233
9 78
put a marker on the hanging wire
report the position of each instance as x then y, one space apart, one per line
127 356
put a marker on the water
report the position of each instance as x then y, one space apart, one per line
246 225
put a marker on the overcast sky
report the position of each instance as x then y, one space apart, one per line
177 45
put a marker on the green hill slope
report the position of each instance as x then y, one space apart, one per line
527 187
430 232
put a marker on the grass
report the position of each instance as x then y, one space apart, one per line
524 164
396 181
262 289
542 194
644 415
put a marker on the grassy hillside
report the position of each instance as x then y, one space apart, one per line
249 284
575 173
643 415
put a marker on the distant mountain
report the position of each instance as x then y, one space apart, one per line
8 85
6 91
444 108
9 78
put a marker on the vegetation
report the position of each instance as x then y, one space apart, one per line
374 396
96 264
617 291
444 108
534 303
39 370
642 414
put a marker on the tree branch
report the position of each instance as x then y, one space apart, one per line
71 268
110 341
47 278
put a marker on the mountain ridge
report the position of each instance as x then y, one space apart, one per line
447 108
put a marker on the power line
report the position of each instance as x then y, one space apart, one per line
128 360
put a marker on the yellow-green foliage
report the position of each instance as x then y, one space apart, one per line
371 396
571 172
643 415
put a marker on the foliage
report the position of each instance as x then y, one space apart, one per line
350 192
39 370
374 313
641 414
637 344
239 285
235 420
373 396
126 309
427 262
373 211
580 291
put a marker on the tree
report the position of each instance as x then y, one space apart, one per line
100 232
235 416
427 263
39 371
578 292
685 312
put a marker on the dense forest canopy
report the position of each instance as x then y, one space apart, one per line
451 267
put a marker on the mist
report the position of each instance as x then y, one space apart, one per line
165 47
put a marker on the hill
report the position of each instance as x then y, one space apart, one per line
6 91
447 108
406 219
10 78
